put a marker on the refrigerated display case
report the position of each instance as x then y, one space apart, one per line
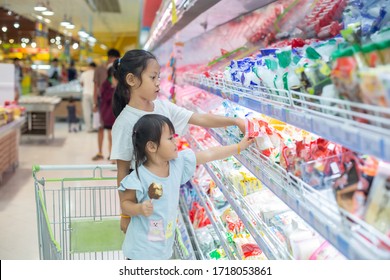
359 127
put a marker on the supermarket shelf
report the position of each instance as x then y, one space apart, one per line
354 238
204 200
197 16
332 119
194 240
186 253
12 125
267 241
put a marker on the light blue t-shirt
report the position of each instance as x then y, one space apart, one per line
151 238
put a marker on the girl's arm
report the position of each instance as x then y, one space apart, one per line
210 120
123 170
222 152
131 207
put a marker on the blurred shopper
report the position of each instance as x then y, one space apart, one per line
18 78
73 121
72 72
86 80
54 73
99 77
64 73
107 115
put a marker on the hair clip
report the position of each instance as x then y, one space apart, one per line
119 62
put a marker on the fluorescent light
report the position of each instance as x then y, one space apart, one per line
48 12
39 7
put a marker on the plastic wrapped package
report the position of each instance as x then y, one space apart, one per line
206 240
248 248
377 212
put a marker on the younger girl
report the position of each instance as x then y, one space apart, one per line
151 232
138 75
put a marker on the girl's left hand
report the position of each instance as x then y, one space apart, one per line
246 142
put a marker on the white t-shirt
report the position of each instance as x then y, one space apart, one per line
86 78
122 130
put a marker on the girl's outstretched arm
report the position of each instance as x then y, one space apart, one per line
222 152
210 121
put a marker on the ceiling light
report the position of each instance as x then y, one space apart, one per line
11 41
82 33
75 46
48 11
33 44
65 21
23 45
39 7
4 28
16 25
70 25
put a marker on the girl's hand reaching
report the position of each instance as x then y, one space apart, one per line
147 208
244 143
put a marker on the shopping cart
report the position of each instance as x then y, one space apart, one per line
78 212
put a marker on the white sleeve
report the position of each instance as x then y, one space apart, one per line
179 116
122 143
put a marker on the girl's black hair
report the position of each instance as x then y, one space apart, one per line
148 128
134 62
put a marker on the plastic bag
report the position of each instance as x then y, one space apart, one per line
96 120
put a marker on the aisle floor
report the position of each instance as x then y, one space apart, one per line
18 234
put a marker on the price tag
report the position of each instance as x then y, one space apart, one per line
335 168
278 113
295 118
254 105
386 146
371 144
321 127
235 98
264 109
343 245
308 123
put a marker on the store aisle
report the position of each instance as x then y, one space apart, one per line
18 234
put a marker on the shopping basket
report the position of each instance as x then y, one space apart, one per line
78 212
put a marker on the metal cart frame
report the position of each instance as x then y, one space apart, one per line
78 217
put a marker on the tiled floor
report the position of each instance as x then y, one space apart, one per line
18 219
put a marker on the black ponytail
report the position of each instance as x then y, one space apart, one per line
134 62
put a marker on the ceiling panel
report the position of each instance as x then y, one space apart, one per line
109 28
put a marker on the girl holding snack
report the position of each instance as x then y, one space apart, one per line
150 195
138 76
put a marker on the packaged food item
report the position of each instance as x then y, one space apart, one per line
384 51
372 55
344 74
374 87
378 202
326 252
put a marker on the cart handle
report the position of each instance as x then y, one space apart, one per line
94 168
36 168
